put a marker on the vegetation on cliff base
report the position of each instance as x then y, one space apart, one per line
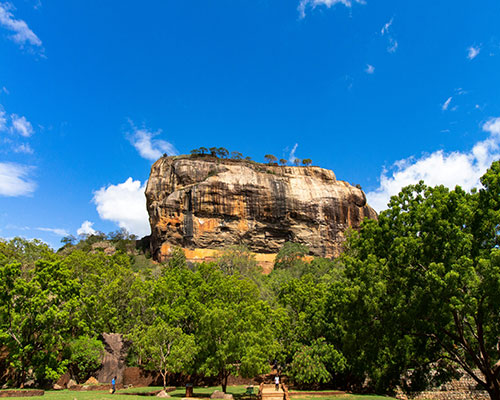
414 299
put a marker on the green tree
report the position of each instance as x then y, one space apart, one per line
290 254
165 348
306 162
213 151
296 161
236 155
203 150
270 158
283 161
238 260
222 152
310 364
85 356
234 333
38 314
429 269
195 152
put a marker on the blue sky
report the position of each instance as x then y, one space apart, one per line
92 92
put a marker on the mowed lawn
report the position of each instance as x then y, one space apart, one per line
200 392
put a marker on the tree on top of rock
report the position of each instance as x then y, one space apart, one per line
306 162
270 158
222 152
283 161
213 151
203 150
236 155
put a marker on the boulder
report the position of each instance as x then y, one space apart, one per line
162 393
71 383
92 381
63 380
113 363
217 395
57 387
228 396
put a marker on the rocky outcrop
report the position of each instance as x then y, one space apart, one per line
209 203
113 363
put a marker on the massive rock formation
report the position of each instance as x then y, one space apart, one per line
207 203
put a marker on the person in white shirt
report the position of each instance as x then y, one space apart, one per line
277 382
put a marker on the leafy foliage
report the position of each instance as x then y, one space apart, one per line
85 356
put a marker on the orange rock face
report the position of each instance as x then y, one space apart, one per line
204 203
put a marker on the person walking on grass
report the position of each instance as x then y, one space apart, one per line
113 385
277 382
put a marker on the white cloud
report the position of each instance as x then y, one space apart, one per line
291 157
21 125
385 28
124 204
55 231
473 52
15 181
86 229
370 69
446 104
5 90
328 3
22 34
149 148
3 119
393 45
440 168
23 148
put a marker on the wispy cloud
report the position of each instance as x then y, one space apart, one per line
473 52
3 119
86 229
148 147
393 44
55 231
291 157
23 148
21 125
446 104
385 28
440 168
124 204
15 180
370 69
22 34
328 3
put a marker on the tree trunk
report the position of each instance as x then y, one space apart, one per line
225 375
494 391
164 376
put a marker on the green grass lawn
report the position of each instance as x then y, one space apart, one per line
201 392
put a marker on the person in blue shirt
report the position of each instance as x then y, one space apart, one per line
113 384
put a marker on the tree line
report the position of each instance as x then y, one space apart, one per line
221 152
413 302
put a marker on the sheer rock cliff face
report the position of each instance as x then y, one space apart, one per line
207 203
